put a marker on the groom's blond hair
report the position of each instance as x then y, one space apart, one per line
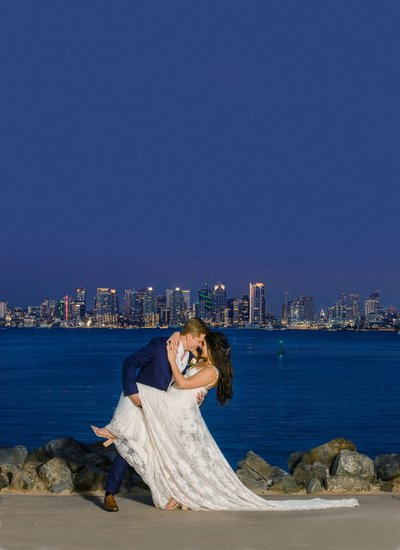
195 327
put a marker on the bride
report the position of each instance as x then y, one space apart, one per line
168 443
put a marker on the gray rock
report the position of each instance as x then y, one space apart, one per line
70 450
249 479
314 486
285 484
64 487
304 473
294 459
257 474
326 454
90 478
347 483
4 483
387 486
56 475
12 458
387 467
259 467
37 457
351 463
27 480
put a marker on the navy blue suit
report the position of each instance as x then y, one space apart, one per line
152 360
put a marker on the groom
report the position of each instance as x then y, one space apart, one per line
152 360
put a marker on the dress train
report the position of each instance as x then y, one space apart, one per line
170 446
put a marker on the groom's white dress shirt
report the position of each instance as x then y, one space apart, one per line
182 359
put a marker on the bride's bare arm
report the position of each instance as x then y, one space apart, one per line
176 337
203 378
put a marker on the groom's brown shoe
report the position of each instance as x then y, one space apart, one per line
110 504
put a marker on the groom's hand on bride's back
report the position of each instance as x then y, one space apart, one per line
135 398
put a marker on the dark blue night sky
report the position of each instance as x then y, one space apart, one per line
169 143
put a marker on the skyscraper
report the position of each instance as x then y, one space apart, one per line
80 303
236 312
245 309
257 304
3 310
151 318
205 304
308 302
285 310
301 310
106 306
177 307
372 308
114 300
65 305
150 301
186 298
168 292
81 294
218 303
45 312
355 306
138 309
128 305
162 311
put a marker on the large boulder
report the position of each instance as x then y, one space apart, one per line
347 484
4 483
294 459
314 486
98 455
12 459
70 450
37 457
260 467
387 467
56 476
90 478
392 486
284 484
257 474
304 473
326 454
351 463
251 480
28 479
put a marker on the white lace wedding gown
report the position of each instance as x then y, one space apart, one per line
169 445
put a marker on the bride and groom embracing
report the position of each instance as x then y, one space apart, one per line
158 428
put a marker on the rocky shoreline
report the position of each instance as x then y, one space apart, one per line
66 466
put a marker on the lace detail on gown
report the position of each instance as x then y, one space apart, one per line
170 446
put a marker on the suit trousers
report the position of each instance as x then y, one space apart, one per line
117 474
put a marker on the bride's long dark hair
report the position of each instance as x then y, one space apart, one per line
220 356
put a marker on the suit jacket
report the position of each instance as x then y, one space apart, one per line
152 360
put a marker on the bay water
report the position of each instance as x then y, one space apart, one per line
56 382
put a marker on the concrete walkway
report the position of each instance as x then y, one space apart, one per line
47 522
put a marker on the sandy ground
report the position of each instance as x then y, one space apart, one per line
48 522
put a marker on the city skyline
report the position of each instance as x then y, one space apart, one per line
194 296
173 143
144 308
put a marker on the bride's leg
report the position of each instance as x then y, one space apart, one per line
104 432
